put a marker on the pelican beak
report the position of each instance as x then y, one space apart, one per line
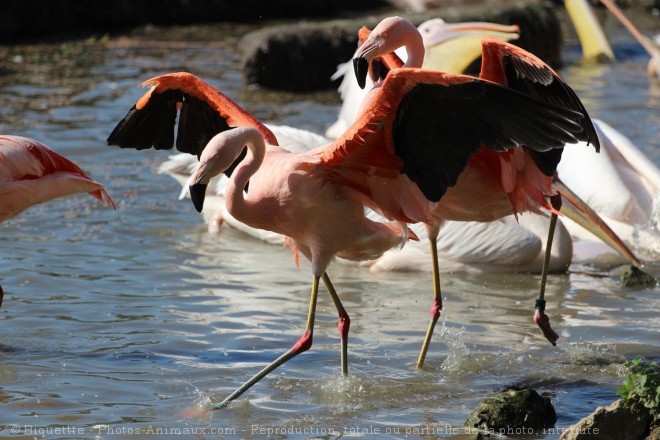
578 211
361 67
197 194
453 47
437 31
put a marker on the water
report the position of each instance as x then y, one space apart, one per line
115 322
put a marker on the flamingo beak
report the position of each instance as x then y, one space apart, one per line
361 67
578 211
197 194
362 59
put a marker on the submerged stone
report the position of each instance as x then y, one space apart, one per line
634 277
513 412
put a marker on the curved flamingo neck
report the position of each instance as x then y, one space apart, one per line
415 49
408 37
235 200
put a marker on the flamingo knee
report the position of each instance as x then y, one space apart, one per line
303 343
343 324
436 309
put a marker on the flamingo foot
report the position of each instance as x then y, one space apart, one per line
542 320
194 412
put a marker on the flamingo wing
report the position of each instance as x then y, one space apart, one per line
426 124
203 112
520 70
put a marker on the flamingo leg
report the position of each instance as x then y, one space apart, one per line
436 307
302 344
343 324
540 318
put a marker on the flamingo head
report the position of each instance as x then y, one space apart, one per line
390 34
395 32
222 153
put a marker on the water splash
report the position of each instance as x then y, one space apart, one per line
458 351
591 354
342 384
200 411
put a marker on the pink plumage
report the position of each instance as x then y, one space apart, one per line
31 173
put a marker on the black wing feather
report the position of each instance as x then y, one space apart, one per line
198 123
545 86
435 145
153 125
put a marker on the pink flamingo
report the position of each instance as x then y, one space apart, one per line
499 183
31 173
398 158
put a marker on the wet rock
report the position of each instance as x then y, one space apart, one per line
513 412
616 421
655 434
297 57
303 56
633 277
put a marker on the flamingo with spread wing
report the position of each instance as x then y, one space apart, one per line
394 159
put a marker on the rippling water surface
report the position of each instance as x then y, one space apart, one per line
116 321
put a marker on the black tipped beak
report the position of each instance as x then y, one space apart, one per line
197 194
361 67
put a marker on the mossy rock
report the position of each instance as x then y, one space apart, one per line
633 277
513 412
